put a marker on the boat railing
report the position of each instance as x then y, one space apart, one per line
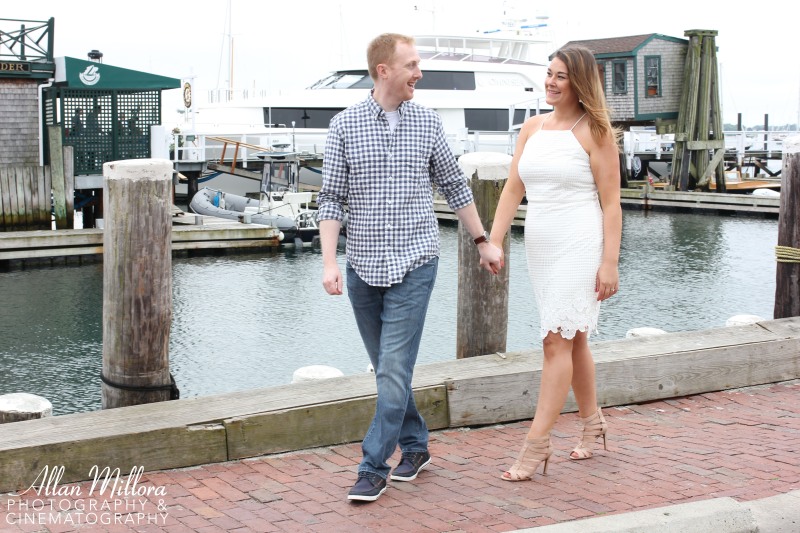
742 144
246 147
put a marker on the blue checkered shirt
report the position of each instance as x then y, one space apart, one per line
386 179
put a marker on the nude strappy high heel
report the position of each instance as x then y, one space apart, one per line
534 451
593 426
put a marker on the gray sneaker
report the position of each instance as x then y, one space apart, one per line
411 465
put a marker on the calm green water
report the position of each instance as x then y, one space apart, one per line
249 321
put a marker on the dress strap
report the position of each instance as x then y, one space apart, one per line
576 122
547 116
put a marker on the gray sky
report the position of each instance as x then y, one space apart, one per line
285 45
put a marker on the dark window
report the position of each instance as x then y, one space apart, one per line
652 69
447 81
620 81
490 119
303 118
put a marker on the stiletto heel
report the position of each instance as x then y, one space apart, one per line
593 426
534 452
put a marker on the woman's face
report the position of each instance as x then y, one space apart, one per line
557 85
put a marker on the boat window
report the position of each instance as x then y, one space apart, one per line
491 119
343 80
450 56
446 81
283 117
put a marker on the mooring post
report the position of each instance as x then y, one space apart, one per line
482 316
19 406
787 253
137 282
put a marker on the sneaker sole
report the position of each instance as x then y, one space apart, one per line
395 477
366 498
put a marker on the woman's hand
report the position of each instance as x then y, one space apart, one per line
607 281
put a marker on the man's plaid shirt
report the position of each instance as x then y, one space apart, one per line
386 179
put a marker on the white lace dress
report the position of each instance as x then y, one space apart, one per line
563 231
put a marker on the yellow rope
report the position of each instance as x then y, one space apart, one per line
787 254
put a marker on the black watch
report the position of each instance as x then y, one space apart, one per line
482 238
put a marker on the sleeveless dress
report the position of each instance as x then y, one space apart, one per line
563 231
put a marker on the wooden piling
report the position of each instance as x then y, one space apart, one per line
482 316
787 272
19 406
137 282
60 186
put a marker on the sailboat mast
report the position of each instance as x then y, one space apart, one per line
230 49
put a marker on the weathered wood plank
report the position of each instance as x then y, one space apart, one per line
28 183
321 424
634 370
17 201
156 449
5 198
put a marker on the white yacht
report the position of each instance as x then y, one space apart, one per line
483 86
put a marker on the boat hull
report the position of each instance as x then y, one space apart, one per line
212 202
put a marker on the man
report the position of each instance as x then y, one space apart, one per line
382 158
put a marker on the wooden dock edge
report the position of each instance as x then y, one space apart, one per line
37 244
701 202
490 389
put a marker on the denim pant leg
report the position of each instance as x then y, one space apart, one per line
391 320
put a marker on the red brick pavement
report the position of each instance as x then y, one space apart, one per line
739 443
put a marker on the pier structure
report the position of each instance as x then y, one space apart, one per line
476 391
699 128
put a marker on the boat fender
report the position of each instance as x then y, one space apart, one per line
215 200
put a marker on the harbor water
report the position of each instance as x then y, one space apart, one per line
246 321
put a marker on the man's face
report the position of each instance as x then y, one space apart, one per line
403 71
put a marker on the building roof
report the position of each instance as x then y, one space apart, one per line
620 46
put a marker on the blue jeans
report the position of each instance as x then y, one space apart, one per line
390 320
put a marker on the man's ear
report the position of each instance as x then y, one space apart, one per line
381 69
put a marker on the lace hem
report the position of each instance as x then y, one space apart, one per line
569 321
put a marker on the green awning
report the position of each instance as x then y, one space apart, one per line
82 74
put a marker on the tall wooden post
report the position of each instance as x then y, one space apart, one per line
787 274
699 127
137 282
482 316
60 186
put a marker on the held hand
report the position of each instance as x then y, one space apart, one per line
491 257
607 282
332 279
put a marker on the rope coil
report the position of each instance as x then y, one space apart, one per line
787 254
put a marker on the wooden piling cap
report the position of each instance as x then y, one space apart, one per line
22 402
488 165
141 169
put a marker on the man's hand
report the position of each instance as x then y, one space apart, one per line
332 279
491 257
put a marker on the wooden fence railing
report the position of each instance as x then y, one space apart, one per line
25 198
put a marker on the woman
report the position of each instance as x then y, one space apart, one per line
566 163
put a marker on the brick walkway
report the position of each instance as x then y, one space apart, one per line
739 443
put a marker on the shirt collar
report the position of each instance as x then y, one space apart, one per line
377 111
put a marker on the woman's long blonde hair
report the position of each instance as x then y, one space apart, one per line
585 80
